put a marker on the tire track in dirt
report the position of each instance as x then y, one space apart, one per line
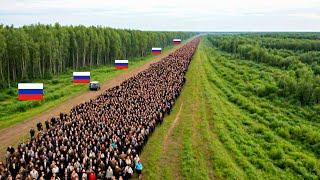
165 145
169 132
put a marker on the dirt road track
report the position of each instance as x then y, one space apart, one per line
12 135
169 132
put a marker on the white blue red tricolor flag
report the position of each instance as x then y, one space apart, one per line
30 91
121 64
81 77
156 50
176 41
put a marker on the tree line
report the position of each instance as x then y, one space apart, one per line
41 51
301 82
285 35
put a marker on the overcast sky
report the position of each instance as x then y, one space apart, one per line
168 15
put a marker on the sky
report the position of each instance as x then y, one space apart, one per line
168 15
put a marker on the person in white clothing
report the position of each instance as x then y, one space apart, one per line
55 169
128 172
34 174
109 173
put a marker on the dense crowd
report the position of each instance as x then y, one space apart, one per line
102 138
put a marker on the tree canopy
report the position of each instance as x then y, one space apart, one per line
291 52
41 51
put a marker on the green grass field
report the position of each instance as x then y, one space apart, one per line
57 90
226 130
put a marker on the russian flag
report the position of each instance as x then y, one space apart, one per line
81 77
30 91
156 50
176 41
121 64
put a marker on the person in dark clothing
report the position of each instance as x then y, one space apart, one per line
47 125
61 116
39 126
168 109
53 121
13 169
10 149
32 132
48 172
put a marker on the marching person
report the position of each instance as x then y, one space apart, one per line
128 172
32 132
109 173
34 174
139 169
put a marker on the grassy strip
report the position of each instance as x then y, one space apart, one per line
227 131
157 162
194 140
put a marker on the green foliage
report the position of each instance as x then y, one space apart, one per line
266 90
276 154
22 107
283 132
2 85
43 51
10 92
25 81
265 130
300 56
4 96
55 81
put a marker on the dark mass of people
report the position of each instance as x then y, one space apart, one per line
102 138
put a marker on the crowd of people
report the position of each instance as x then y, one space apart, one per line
102 138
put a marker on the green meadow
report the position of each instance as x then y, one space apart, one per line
234 123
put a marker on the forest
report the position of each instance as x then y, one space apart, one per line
42 51
299 57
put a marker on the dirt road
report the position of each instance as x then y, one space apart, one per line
12 135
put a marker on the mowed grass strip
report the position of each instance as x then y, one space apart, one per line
157 153
194 142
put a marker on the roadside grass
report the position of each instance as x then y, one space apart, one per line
194 139
57 90
227 130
